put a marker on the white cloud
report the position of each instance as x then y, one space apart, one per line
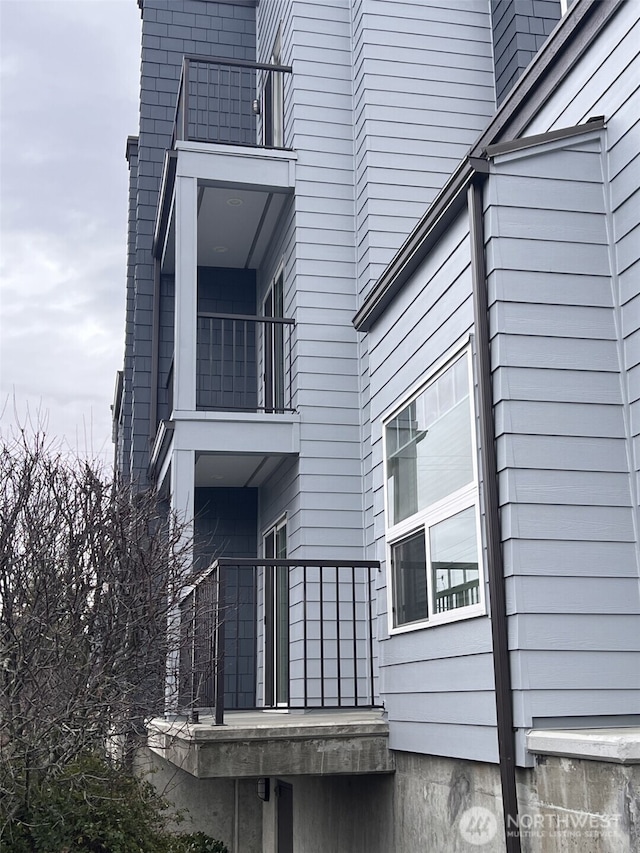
69 81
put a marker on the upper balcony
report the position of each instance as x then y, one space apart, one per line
231 102
227 182
229 135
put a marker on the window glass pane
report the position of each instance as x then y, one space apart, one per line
408 562
429 446
454 562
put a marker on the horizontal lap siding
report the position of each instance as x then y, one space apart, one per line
423 90
566 506
611 88
321 494
437 683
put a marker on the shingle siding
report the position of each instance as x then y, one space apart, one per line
520 28
169 31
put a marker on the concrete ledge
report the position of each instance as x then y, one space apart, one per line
619 746
252 744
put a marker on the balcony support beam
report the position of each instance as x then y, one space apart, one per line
253 744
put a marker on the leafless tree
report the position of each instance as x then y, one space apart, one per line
89 571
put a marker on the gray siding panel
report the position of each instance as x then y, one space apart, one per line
562 437
437 681
422 90
575 632
476 743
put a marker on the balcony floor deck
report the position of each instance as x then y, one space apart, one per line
273 743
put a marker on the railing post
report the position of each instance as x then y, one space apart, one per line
305 637
355 638
338 650
219 628
371 591
194 656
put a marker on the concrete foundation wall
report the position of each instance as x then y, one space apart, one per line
430 804
432 796
226 809
333 814
568 805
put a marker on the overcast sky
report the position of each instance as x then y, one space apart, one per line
69 73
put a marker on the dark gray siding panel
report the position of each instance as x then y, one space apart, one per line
520 28
166 38
225 526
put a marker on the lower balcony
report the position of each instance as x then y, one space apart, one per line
254 744
278 672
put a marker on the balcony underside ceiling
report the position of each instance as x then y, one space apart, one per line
230 449
218 470
241 197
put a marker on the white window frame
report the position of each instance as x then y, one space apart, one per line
277 525
270 291
464 498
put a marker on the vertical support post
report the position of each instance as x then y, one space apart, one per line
186 218
355 638
182 508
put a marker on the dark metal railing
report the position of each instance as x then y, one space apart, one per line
328 659
219 101
244 363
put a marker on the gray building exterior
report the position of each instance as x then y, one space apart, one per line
383 356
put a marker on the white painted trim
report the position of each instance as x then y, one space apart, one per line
186 293
264 437
237 417
237 150
436 368
271 528
618 746
250 169
465 498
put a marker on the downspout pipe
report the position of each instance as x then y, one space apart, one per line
495 567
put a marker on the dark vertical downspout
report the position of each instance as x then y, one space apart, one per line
499 630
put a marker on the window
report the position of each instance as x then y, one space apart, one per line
432 502
274 373
276 618
273 100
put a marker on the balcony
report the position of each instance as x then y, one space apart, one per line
220 101
310 638
243 363
227 185
303 632
230 135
